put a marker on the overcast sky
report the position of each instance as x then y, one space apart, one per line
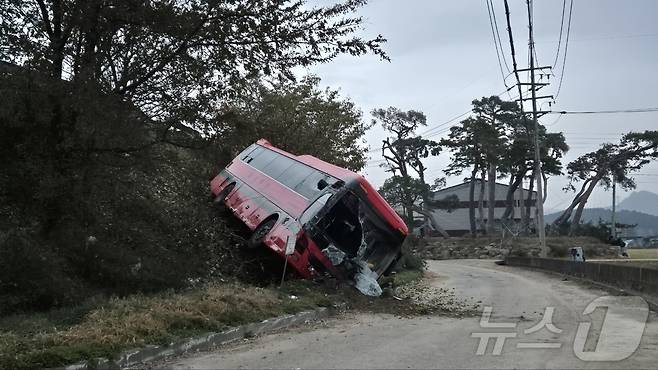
443 56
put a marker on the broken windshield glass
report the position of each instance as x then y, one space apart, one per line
350 237
314 208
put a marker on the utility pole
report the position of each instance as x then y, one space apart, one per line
613 222
538 172
534 86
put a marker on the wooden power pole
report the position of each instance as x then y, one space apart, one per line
534 86
537 167
613 222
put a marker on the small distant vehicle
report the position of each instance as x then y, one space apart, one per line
321 217
577 254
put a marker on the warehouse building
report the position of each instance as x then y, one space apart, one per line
457 223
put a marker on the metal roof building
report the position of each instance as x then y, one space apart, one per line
457 222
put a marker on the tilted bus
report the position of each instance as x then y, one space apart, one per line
321 217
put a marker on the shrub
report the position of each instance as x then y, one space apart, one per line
31 276
411 254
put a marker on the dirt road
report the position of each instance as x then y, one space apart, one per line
384 341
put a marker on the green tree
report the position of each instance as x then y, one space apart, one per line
518 162
500 116
161 49
397 189
612 162
466 142
402 125
303 119
110 111
480 143
174 61
404 152
125 75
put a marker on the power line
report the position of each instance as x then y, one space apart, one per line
532 16
598 133
496 38
425 135
559 41
638 110
426 132
612 37
566 48
492 14
514 64
498 52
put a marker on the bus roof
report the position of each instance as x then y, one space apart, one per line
328 168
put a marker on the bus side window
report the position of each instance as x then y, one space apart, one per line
277 166
309 187
246 155
261 158
295 175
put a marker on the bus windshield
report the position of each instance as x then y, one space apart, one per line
314 208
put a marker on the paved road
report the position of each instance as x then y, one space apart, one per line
384 341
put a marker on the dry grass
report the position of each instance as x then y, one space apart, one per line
643 253
103 328
138 320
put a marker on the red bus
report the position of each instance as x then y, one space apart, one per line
321 217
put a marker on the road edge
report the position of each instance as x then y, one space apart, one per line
653 304
199 343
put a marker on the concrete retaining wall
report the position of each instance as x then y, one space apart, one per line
638 279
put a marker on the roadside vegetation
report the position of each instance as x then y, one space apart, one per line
104 328
101 329
640 257
115 116
643 253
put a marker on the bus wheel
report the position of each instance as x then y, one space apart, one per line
219 201
258 237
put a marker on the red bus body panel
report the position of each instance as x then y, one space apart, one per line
256 196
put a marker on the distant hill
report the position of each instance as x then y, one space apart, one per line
641 201
647 225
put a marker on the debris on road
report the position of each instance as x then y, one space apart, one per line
366 281
430 299
335 255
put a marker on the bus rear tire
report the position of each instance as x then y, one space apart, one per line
258 236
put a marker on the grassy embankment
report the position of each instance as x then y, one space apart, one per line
103 328
640 258
99 329
643 253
